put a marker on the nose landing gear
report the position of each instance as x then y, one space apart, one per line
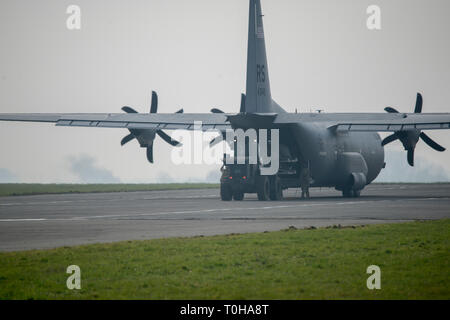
350 193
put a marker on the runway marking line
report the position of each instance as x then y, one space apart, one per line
216 210
106 200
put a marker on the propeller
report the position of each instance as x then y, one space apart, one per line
221 138
146 137
409 138
242 108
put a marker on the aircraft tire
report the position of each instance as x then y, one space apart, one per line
226 194
356 193
347 193
263 188
276 191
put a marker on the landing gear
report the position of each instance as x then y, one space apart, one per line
263 188
276 190
347 193
350 193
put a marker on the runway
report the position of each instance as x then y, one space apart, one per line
49 221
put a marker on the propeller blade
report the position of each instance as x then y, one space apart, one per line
243 98
168 139
215 110
215 141
180 111
411 157
390 110
431 142
129 110
154 106
389 139
127 139
419 103
150 153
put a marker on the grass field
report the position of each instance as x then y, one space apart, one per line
19 189
293 264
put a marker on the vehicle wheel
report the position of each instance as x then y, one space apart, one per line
226 193
356 194
238 196
276 191
263 188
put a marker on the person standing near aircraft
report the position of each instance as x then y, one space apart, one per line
305 180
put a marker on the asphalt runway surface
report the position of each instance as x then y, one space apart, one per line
49 221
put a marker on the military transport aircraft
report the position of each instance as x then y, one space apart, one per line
341 150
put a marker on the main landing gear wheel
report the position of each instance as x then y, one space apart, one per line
226 193
347 193
263 188
276 191
350 193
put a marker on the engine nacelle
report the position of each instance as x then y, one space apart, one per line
145 137
351 171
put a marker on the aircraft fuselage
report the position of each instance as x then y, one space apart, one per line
332 155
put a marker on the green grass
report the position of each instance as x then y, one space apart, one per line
12 189
292 264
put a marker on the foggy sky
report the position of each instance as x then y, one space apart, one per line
398 170
87 171
193 53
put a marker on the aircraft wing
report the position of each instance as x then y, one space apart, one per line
334 121
126 121
378 122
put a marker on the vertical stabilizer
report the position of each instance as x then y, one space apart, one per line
259 99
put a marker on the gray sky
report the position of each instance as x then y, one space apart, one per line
193 53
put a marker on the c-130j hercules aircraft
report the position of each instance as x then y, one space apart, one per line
341 150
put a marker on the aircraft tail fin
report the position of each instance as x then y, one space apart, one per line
258 98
